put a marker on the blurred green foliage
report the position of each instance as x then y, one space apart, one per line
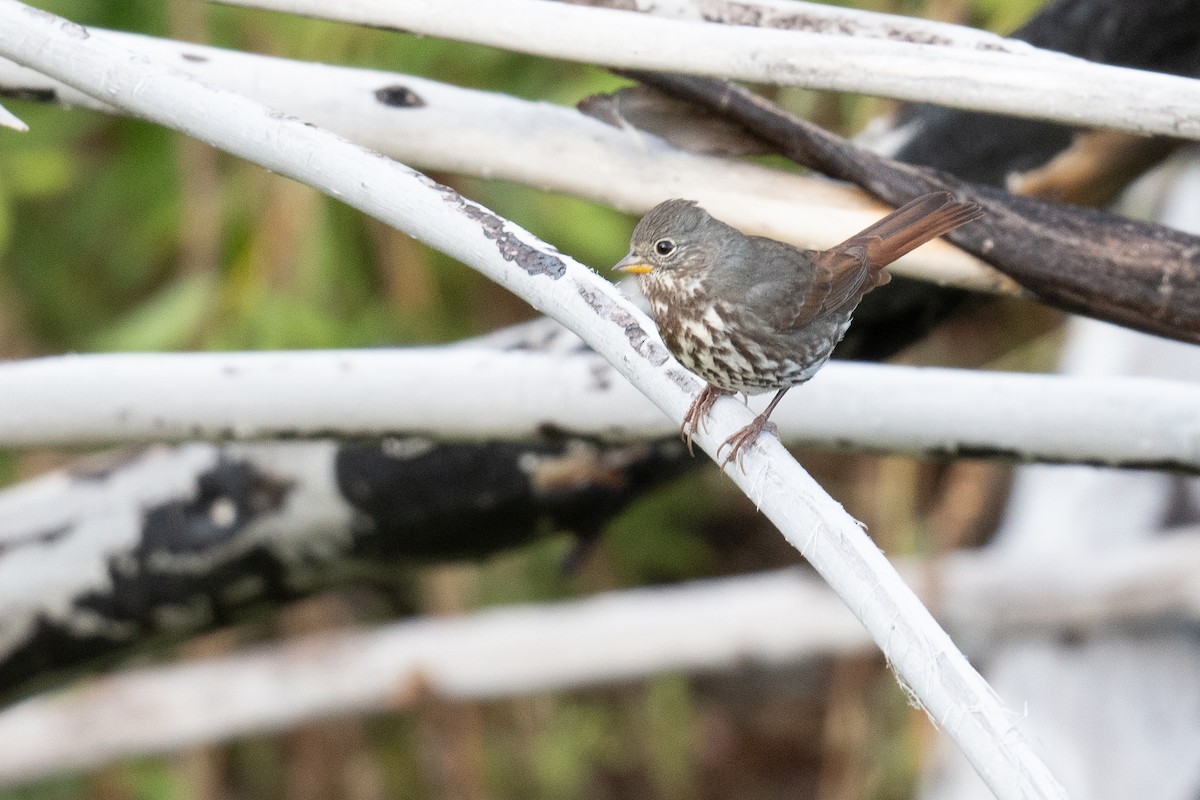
118 235
93 216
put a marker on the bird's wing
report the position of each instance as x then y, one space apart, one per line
802 285
847 273
806 284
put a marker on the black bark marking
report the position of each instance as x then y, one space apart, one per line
461 500
195 58
229 497
389 29
35 538
993 453
433 501
987 452
641 341
399 96
739 14
684 380
33 95
510 247
601 373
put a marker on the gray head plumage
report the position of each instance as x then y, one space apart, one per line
678 218
678 234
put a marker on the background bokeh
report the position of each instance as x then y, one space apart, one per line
117 235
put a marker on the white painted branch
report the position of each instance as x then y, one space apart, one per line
920 652
491 654
11 120
468 392
773 618
1152 576
797 15
1053 87
447 128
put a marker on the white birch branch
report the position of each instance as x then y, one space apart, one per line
797 15
441 127
920 652
771 618
1046 86
603 640
464 392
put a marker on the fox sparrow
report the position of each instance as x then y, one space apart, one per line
749 314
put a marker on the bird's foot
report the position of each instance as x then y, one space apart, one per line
745 437
694 417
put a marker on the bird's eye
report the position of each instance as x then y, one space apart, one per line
664 247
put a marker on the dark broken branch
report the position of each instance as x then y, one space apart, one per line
111 559
1137 274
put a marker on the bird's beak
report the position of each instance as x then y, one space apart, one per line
632 263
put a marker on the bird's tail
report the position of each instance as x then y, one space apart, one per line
912 225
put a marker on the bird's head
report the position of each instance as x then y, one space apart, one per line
676 235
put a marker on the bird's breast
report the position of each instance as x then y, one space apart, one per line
721 343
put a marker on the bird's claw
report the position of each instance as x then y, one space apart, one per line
738 443
693 420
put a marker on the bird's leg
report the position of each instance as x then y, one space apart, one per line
748 434
695 413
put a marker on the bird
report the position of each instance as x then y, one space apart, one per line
749 314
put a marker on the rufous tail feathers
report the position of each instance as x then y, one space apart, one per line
912 225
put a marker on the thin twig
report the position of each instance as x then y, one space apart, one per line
11 120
